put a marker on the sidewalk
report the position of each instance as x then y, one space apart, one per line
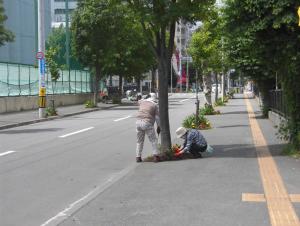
14 119
193 192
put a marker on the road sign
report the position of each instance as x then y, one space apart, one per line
40 55
42 66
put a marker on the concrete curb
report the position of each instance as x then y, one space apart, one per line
53 118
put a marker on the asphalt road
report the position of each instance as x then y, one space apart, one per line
46 167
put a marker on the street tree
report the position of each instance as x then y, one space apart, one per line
96 25
158 19
57 40
205 49
54 70
5 35
131 55
262 40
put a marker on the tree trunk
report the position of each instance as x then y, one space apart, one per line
153 80
264 87
223 86
120 86
138 83
96 84
217 88
163 104
207 88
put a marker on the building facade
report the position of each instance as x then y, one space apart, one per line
183 34
58 11
22 21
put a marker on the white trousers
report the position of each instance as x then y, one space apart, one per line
142 128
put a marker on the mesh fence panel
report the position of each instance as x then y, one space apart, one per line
22 80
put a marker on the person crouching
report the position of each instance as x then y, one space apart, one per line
194 142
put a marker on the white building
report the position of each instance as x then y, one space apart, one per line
22 21
58 11
183 34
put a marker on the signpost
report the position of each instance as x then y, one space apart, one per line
41 57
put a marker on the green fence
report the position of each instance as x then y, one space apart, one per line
21 80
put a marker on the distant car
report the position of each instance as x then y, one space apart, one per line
214 86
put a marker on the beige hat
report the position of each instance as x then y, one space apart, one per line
180 132
153 96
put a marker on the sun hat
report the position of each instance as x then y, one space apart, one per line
180 132
153 96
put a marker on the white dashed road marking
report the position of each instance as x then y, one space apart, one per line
79 131
6 153
116 120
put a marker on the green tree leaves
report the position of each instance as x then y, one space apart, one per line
5 35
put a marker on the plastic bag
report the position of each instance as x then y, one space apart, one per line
209 149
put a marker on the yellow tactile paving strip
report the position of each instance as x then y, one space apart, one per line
281 210
250 197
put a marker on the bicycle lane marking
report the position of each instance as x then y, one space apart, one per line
280 208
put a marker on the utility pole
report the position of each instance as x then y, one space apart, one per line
40 56
68 41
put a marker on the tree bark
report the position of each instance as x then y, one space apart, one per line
138 83
96 84
120 86
217 88
163 105
264 87
223 86
207 88
153 80
164 59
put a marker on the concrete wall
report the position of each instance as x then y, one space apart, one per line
20 103
276 119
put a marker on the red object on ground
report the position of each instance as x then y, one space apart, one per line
177 152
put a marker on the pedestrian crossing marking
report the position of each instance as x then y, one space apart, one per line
279 203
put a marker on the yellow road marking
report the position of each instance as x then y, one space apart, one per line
248 197
251 197
281 210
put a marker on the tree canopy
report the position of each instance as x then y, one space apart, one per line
5 35
262 40
158 19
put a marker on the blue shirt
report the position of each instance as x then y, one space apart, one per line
193 136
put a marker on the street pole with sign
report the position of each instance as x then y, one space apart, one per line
68 41
41 58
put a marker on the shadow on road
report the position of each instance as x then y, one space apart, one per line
242 151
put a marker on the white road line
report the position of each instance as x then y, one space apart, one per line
6 153
183 100
75 206
119 119
79 131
